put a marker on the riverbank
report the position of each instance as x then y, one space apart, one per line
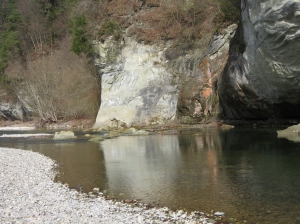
35 123
87 125
29 195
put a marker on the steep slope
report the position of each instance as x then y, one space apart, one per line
154 84
261 79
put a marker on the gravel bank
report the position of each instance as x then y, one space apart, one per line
28 194
25 135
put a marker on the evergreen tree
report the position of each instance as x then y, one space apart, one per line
9 35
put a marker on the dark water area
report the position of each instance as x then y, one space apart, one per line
249 174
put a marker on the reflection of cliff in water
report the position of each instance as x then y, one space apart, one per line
246 173
205 184
265 173
142 166
174 170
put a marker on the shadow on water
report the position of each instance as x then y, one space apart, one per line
265 174
247 173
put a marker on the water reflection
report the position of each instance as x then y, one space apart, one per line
246 173
249 174
81 162
264 172
177 171
142 167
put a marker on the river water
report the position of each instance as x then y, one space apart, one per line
249 174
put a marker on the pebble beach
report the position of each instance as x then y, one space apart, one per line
28 194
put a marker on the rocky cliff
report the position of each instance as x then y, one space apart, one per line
154 84
261 79
136 87
10 107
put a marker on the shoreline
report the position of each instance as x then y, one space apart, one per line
30 195
34 124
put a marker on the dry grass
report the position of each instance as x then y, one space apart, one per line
149 21
153 3
61 86
123 7
185 21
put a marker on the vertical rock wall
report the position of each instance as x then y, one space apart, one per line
261 79
10 107
137 89
155 84
198 99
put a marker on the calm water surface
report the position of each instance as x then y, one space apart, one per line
249 174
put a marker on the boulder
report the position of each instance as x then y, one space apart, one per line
262 76
12 110
292 133
97 139
114 134
141 132
130 131
63 135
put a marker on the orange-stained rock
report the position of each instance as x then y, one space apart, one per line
198 98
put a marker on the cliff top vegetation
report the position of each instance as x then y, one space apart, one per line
39 37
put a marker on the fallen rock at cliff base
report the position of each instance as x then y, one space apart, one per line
113 134
130 131
97 139
292 133
63 135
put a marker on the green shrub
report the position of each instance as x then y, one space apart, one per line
110 28
230 10
51 9
80 38
9 36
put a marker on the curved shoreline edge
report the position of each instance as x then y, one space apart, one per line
28 194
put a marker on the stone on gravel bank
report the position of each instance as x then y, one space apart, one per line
16 128
38 135
29 195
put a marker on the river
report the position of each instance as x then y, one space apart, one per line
248 173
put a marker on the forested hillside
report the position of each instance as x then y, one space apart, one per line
46 53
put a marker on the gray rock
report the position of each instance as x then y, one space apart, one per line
292 133
198 98
96 190
97 139
151 84
114 134
141 132
63 135
130 131
219 213
137 88
261 79
12 110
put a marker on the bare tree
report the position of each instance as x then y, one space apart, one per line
61 86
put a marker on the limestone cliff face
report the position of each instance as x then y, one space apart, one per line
261 79
198 98
10 107
137 89
154 84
